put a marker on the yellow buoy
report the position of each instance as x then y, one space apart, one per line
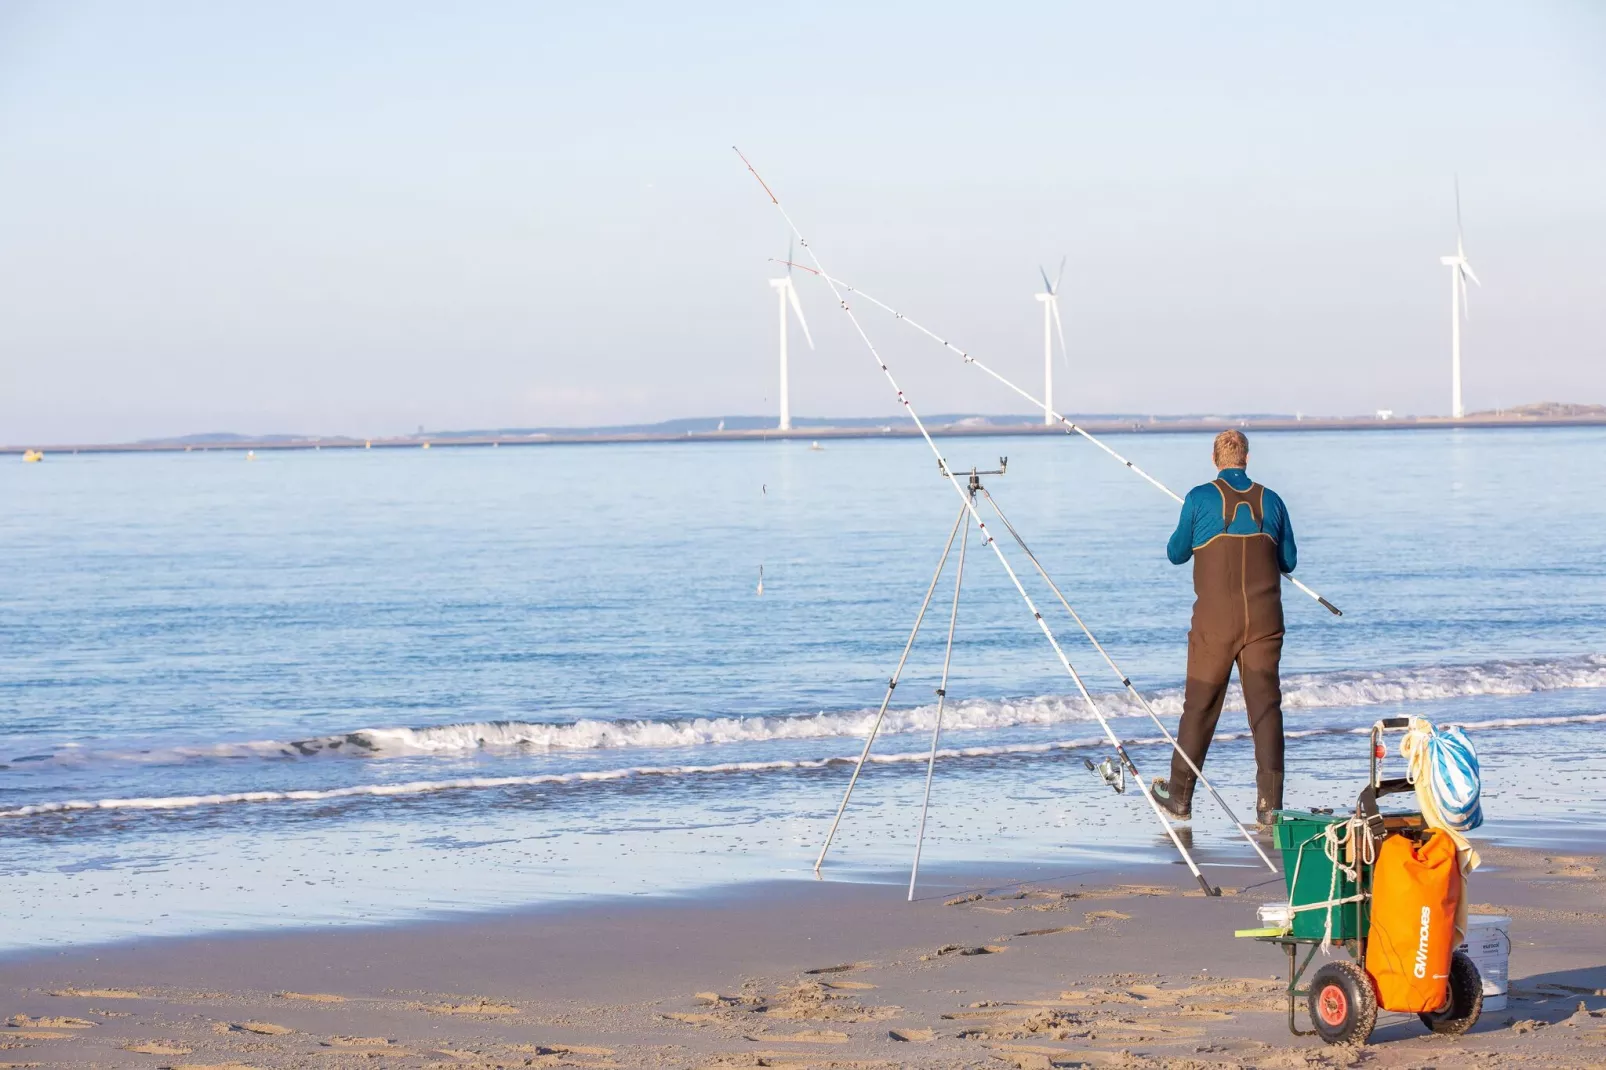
33 455
426 445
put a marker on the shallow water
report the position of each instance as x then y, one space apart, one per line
352 686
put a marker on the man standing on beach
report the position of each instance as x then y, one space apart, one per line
1238 534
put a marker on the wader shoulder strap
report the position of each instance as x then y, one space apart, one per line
1231 499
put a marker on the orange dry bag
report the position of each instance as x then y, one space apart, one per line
1415 889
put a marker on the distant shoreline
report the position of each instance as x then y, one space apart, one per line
967 428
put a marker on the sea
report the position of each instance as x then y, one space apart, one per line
359 687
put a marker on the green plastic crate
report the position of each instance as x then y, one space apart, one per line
1300 836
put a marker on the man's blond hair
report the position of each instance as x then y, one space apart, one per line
1231 449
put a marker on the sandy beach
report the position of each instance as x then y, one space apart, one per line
1030 968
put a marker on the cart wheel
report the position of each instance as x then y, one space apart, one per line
1343 1006
1466 999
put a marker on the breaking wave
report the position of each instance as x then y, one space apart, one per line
423 787
1300 692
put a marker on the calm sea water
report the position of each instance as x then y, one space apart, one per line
353 686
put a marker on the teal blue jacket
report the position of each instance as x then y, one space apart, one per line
1202 521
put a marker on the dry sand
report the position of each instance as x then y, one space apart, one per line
1090 969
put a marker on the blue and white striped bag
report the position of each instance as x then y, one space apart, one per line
1450 763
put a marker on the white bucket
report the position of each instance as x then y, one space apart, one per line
1276 916
1489 944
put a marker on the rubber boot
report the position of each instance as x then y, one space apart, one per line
1268 797
1175 799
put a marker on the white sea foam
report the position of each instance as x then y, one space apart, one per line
423 787
1300 692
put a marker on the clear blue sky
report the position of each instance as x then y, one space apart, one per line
361 217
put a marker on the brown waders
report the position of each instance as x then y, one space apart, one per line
1237 617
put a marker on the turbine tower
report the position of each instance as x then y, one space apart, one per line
1051 324
787 294
1460 272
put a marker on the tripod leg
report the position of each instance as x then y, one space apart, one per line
942 699
892 685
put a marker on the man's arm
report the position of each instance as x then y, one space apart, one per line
1287 552
1180 548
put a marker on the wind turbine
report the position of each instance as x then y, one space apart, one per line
1460 272
787 294
1051 324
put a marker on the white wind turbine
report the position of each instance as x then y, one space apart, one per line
1051 324
787 294
1460 272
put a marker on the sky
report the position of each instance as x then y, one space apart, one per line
362 218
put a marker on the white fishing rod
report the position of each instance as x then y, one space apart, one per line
986 536
1070 424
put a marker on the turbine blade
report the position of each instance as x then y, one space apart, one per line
1061 276
791 294
1047 286
789 256
1467 268
1461 280
1055 305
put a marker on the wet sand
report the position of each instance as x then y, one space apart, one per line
1022 968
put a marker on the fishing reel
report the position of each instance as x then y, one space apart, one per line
1109 771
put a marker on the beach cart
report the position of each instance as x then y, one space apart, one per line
1329 863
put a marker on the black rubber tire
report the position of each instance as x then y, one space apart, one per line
1466 999
1343 1006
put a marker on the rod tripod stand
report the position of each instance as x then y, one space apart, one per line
973 490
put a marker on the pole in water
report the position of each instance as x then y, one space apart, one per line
1070 425
969 506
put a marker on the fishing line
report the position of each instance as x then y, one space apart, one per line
987 540
1070 424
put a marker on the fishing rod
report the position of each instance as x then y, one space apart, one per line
1070 424
981 526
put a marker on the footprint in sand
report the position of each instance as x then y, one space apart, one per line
910 1035
808 1036
1056 929
960 949
310 997
99 993
483 1007
158 1047
1105 915
261 1029
1573 866
22 1021
357 1042
850 985
961 900
844 968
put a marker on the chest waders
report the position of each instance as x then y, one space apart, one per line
1237 618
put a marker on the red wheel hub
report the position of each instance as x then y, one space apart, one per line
1332 1005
